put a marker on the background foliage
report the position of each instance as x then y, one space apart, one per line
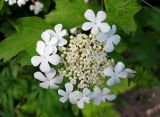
20 95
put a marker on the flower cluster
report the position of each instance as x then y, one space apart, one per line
82 60
36 6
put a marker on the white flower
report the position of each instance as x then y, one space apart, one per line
36 7
21 2
59 34
96 23
65 94
49 39
45 57
49 80
101 96
85 97
115 73
110 38
11 2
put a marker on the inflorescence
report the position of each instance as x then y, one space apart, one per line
83 61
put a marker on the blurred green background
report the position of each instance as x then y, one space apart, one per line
138 24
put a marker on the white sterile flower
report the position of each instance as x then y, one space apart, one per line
115 73
11 2
59 34
36 7
49 39
110 38
96 23
85 97
50 80
45 57
21 2
99 95
65 94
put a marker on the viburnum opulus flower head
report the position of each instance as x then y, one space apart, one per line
83 61
36 5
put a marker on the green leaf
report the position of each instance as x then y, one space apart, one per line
154 22
102 110
145 48
29 30
121 13
70 13
1 4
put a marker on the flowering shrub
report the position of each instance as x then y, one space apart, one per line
83 59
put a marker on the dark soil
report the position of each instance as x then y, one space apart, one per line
144 103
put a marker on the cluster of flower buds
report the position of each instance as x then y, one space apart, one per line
82 59
36 6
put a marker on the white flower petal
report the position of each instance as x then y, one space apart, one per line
90 15
87 26
51 73
97 90
44 67
40 47
51 32
123 74
101 37
39 76
53 85
80 104
75 96
97 101
54 59
54 49
44 85
101 16
110 97
36 60
46 37
95 30
116 39
109 47
58 28
86 91
58 79
48 50
53 41
61 92
106 91
63 99
113 30
63 33
113 81
109 72
131 73
119 67
104 27
62 42
69 87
